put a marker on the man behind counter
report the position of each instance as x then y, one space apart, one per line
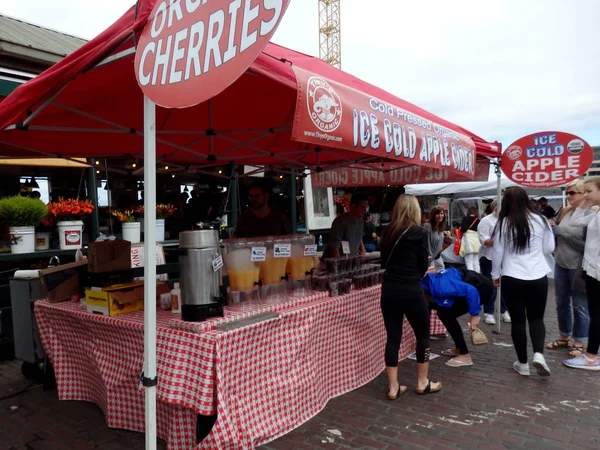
261 220
348 227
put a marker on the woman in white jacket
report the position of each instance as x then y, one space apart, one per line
522 239
589 215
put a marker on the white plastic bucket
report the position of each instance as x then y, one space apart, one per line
160 230
70 234
42 240
131 232
22 239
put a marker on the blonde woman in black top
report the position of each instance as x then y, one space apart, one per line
405 255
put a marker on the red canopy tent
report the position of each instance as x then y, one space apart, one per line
89 104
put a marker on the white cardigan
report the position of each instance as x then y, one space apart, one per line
591 256
532 263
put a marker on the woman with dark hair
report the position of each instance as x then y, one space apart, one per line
470 245
405 256
522 240
436 226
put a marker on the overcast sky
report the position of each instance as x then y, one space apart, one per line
501 69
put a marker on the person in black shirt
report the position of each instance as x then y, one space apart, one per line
261 220
405 255
546 209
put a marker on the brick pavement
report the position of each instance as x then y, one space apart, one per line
485 406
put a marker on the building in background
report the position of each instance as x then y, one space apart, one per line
594 170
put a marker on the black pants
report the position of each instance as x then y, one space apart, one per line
488 307
397 301
526 302
448 317
593 294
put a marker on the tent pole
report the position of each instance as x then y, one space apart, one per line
149 375
294 202
92 192
499 201
304 182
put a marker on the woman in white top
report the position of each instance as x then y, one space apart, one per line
589 215
522 239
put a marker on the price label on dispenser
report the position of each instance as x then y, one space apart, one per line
282 250
310 250
259 253
346 247
217 263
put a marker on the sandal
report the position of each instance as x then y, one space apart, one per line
401 390
451 352
576 349
428 389
458 363
559 343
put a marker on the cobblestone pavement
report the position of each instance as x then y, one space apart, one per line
485 406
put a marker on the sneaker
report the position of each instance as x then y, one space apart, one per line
505 317
539 362
489 319
583 362
522 369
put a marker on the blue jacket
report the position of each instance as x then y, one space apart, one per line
445 285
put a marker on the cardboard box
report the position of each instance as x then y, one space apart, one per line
60 283
119 299
109 256
115 300
107 279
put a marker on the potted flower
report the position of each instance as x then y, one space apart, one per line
21 215
43 231
131 228
162 212
69 214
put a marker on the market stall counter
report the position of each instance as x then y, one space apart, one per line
263 369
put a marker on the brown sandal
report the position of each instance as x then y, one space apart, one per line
428 389
401 390
576 349
559 343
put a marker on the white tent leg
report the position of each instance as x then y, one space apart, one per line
306 174
150 271
499 200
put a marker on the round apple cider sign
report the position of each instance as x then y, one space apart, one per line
547 159
191 50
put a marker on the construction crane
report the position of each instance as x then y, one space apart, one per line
330 42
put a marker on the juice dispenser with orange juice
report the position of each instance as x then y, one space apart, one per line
244 274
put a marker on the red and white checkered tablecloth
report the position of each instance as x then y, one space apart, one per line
263 379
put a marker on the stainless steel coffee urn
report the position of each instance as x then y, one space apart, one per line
200 275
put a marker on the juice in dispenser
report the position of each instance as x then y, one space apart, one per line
244 274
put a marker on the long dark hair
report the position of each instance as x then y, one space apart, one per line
515 215
433 223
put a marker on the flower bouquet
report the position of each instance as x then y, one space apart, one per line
70 209
164 211
126 216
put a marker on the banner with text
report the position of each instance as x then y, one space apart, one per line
391 174
547 159
331 114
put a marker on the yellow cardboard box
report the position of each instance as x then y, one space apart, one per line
116 300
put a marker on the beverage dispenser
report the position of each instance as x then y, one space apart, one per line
243 271
200 275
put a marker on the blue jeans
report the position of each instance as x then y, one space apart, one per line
576 323
488 307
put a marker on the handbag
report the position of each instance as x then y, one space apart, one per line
457 242
465 244
478 337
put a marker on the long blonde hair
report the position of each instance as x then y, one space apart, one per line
593 180
406 214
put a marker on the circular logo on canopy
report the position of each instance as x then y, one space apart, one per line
191 50
324 104
547 159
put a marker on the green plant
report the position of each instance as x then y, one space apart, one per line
21 211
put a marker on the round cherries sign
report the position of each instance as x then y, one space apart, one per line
547 159
191 50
